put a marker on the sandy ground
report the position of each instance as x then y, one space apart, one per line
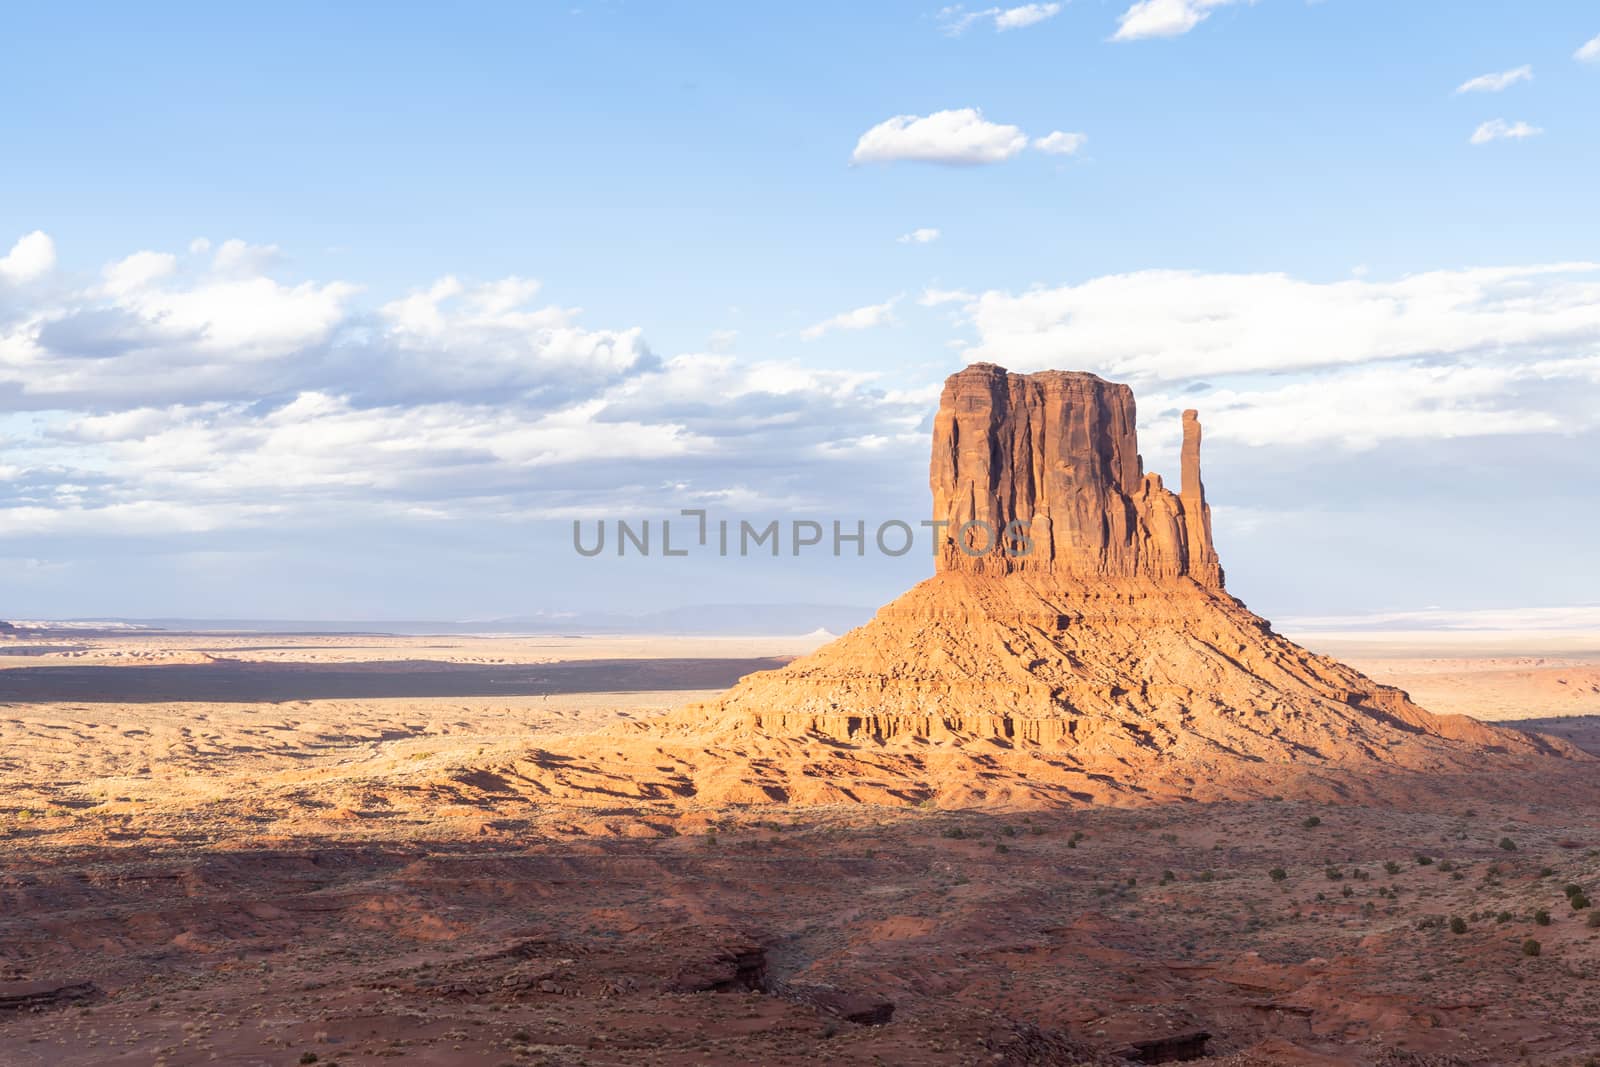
283 847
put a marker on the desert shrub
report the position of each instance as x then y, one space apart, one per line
1347 891
1277 874
1572 889
1424 861
1531 947
1545 872
1334 874
1001 847
1311 822
1508 844
308 1057
954 832
1594 920
1168 876
1206 876
1132 881
1360 875
1458 925
1391 867
1446 865
1541 917
1578 901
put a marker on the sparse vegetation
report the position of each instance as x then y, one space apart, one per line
1458 925
1391 867
1311 822
1507 844
1278 874
1541 918
1531 947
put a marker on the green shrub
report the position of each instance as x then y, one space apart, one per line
1168 876
1391 866
1541 917
1594 920
1504 917
1508 844
1277 874
1423 861
1311 822
1578 901
1334 874
1531 947
1458 925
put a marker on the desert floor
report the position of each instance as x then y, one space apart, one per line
279 849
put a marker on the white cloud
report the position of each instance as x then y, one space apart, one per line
238 258
723 340
1494 83
960 136
32 257
922 236
1059 143
138 271
1501 130
1360 407
1590 52
1161 325
956 19
1015 18
861 318
931 298
1164 18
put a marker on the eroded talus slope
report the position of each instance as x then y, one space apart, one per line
1075 644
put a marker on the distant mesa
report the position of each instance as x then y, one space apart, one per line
1076 644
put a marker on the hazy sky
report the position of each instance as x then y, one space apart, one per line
345 312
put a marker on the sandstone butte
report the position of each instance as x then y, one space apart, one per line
1107 664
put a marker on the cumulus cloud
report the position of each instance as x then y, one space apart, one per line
1494 83
1590 52
861 318
961 136
32 257
957 19
1165 18
178 398
236 257
1058 143
1501 130
1162 325
921 236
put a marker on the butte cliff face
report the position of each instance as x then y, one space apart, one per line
1042 472
1105 662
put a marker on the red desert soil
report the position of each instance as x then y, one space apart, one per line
1048 811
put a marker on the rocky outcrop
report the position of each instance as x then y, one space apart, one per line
1042 472
1107 664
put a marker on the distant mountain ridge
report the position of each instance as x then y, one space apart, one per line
734 620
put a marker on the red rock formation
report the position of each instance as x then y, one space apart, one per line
1042 472
1106 663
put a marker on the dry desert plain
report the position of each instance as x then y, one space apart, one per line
279 849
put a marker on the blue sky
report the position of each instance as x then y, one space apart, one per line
1273 211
